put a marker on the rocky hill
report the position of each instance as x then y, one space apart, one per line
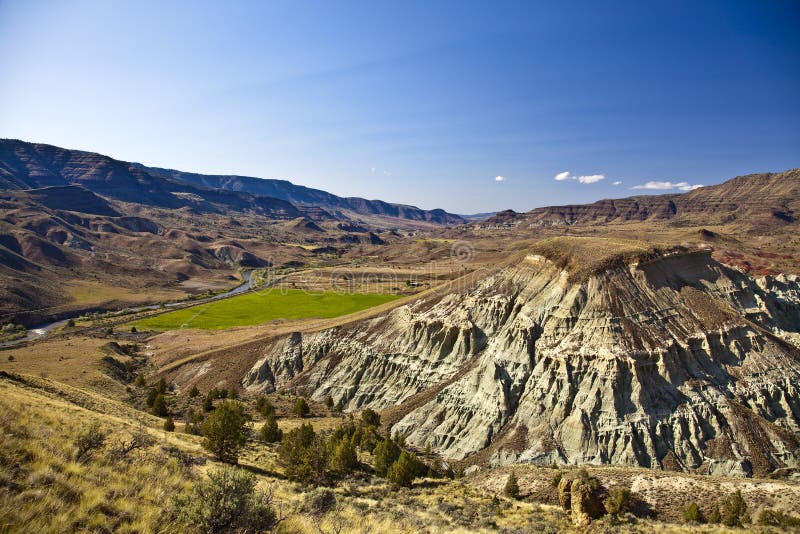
588 351
29 166
305 196
760 198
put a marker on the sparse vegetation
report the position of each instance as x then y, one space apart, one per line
301 408
511 489
693 514
225 431
227 501
270 433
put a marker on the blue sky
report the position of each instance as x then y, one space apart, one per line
424 103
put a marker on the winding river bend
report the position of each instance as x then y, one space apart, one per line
43 330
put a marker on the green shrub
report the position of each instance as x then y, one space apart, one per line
329 402
619 501
208 402
294 452
194 422
343 457
89 441
777 518
715 517
404 470
151 397
264 407
160 406
270 433
370 418
225 431
140 382
194 392
693 514
301 408
169 424
161 386
386 452
227 502
511 489
734 510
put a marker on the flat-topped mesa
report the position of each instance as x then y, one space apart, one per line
668 359
582 257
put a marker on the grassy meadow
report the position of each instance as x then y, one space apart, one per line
263 306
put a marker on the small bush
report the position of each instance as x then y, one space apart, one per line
194 422
71 323
227 501
140 382
169 424
88 441
264 407
619 501
319 502
301 408
343 457
208 402
370 418
404 470
329 402
715 517
161 386
133 330
160 406
693 514
776 518
225 431
270 433
194 392
511 489
734 510
386 452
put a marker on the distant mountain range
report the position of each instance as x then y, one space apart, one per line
755 198
33 165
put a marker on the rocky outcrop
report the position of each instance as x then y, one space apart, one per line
675 362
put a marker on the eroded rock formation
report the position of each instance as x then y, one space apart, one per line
676 362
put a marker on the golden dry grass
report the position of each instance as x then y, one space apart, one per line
43 488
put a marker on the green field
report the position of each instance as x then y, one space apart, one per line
262 306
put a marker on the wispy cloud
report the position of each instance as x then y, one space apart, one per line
618 182
585 179
665 186
499 178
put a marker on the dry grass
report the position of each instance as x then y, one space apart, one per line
584 256
74 361
44 489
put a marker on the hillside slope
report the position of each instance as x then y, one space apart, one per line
591 350
305 196
32 165
756 198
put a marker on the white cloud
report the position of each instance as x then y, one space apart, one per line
372 170
387 173
617 183
499 178
592 178
586 179
662 186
